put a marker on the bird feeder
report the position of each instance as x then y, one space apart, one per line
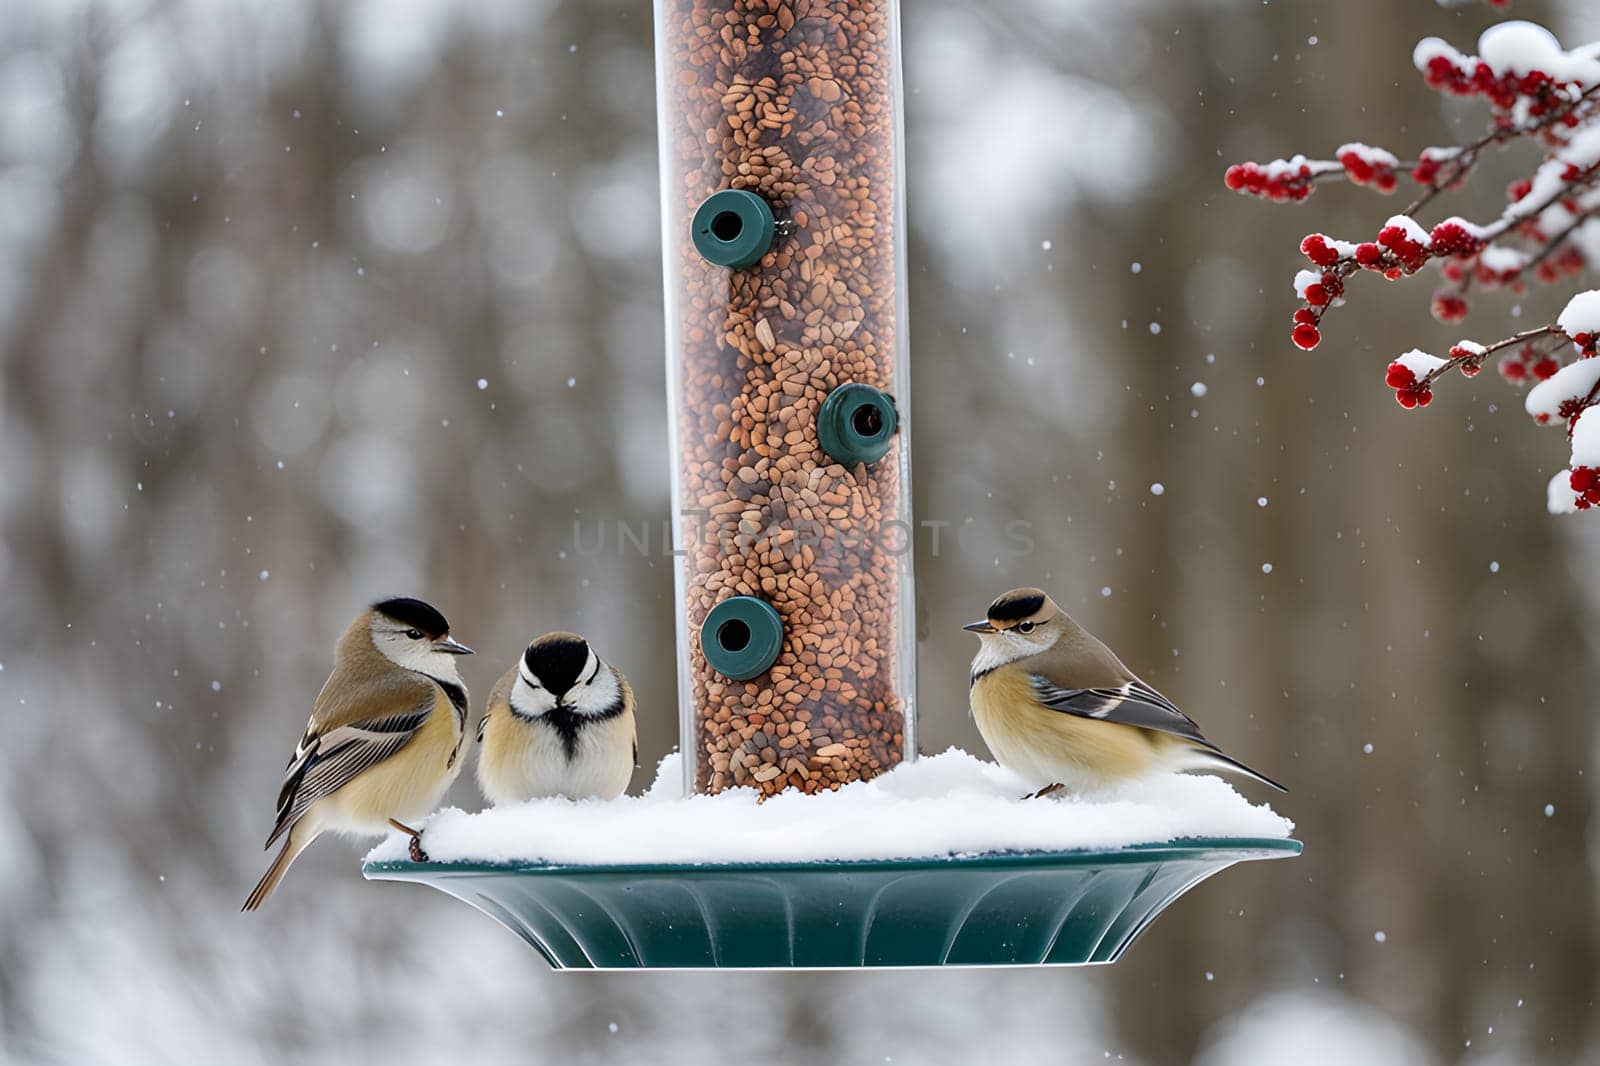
784 244
784 218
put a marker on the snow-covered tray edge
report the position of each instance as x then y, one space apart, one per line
1245 848
944 808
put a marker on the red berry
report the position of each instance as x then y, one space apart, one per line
1469 369
1513 370
1406 398
1399 376
1368 253
1424 397
1306 336
1316 295
1544 368
1316 248
1585 482
1234 177
1410 253
1448 307
1359 170
1305 315
1451 238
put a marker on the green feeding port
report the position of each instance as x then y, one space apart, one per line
1026 909
733 228
741 637
856 423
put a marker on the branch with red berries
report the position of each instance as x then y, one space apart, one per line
1549 229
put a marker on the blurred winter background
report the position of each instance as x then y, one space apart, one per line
304 301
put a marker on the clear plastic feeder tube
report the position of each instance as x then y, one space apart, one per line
784 249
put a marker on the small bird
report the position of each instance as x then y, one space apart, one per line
560 723
384 740
1056 705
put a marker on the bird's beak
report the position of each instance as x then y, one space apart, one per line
451 646
980 627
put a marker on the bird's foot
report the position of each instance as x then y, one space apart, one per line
1045 791
415 846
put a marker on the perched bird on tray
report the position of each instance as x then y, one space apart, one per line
1057 706
560 723
384 740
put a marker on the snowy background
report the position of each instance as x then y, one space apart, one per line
305 302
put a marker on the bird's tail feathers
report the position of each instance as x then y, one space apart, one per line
1210 758
299 837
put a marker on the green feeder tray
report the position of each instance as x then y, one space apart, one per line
1065 908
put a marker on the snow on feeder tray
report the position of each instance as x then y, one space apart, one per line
937 863
784 248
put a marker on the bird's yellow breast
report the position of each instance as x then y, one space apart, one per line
1050 746
410 783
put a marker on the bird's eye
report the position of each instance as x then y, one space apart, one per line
1024 627
414 634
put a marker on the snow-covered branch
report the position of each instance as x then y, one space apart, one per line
1538 93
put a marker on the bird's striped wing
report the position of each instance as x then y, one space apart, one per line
325 762
1131 703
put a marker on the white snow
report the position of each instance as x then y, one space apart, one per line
1571 382
1413 229
1430 47
938 805
1503 260
1470 347
1281 168
1379 157
1582 314
1586 437
1467 224
1304 279
1419 362
1519 47
1583 150
1559 497
1549 181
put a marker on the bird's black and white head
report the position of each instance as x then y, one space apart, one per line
414 635
1020 623
560 670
